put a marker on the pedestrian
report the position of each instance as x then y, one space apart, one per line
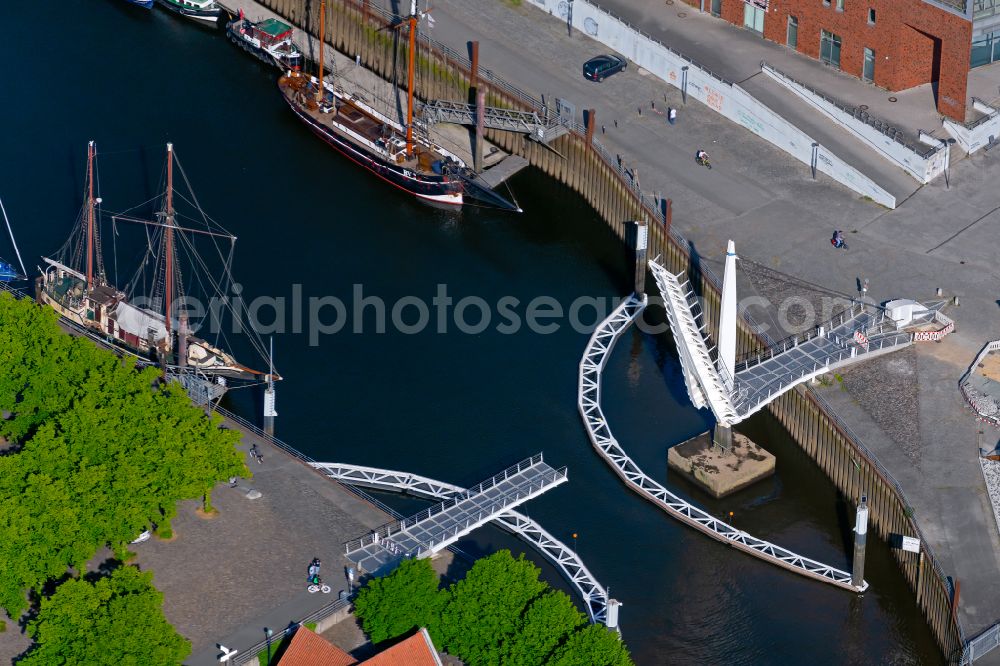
602 129
616 123
357 60
672 115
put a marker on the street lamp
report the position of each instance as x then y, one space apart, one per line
268 633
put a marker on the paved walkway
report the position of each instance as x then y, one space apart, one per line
224 579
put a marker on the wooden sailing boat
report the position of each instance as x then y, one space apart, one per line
76 286
372 139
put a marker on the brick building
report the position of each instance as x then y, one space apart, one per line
895 44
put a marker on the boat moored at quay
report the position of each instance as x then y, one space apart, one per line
270 40
371 138
203 11
149 319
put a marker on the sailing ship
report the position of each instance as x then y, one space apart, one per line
372 139
207 11
270 40
76 286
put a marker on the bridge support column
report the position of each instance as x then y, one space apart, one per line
722 437
860 538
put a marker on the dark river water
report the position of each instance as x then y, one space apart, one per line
453 405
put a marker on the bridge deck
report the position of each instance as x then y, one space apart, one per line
758 382
594 596
435 528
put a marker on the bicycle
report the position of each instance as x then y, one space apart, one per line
317 585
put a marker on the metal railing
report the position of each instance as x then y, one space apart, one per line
861 115
982 644
516 494
249 654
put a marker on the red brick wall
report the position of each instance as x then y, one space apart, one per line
906 36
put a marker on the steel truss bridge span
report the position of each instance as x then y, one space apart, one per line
595 357
595 597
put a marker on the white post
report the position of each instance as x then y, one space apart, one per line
727 318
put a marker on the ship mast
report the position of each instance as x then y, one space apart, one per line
169 235
409 76
322 38
90 216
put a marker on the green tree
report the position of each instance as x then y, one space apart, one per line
400 602
484 608
593 645
545 624
115 620
104 450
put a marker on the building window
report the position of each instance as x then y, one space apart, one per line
753 18
826 3
868 72
985 8
985 49
793 32
871 16
829 48
840 5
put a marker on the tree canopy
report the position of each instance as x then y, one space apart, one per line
102 450
396 604
500 613
114 620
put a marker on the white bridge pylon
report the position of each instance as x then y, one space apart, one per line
595 357
594 595
736 391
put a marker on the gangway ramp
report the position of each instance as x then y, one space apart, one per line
508 120
443 524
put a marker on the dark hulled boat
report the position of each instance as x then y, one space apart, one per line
370 138
203 11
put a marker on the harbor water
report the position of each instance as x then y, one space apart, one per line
460 397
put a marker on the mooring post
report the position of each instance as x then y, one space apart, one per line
612 619
480 122
269 395
591 124
641 245
479 99
860 538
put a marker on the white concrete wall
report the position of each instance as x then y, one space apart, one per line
924 169
980 136
727 99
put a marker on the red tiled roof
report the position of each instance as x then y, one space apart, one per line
308 649
417 650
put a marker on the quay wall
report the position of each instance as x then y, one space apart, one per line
357 29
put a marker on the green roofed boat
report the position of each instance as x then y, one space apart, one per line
270 40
